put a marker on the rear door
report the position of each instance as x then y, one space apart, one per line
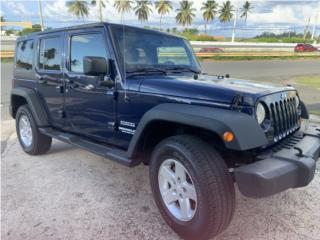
49 75
90 108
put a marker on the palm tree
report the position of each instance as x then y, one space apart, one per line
123 6
142 10
101 4
40 15
209 9
163 7
185 13
2 21
245 9
78 8
225 12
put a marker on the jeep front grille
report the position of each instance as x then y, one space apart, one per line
284 118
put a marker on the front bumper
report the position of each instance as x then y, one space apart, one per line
290 164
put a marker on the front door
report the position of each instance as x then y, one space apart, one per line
89 107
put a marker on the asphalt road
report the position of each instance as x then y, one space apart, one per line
274 71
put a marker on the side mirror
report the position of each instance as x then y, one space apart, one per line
96 66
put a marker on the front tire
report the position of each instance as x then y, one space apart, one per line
31 139
189 176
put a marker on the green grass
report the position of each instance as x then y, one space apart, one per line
310 81
315 112
248 58
278 40
6 60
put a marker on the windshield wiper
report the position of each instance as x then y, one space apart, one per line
144 70
183 69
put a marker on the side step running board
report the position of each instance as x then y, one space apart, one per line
107 152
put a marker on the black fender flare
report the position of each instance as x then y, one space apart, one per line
34 103
247 132
304 111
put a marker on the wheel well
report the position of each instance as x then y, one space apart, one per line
156 131
16 102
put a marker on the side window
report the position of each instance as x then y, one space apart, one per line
86 45
177 55
50 53
24 57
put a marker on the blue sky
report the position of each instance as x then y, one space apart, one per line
272 16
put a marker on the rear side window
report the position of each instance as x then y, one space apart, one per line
50 53
86 45
24 55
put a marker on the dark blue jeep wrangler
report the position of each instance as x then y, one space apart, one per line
138 96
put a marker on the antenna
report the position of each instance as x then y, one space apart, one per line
124 62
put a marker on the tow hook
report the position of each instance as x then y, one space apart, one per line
300 152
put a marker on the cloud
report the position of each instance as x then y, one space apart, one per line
56 10
279 14
18 9
285 14
267 15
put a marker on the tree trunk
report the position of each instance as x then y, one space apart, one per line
160 22
205 28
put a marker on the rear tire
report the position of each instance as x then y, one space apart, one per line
206 171
31 139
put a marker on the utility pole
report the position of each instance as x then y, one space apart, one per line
306 29
235 22
315 22
40 15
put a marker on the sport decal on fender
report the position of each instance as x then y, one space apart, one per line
126 127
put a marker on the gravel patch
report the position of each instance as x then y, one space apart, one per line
72 194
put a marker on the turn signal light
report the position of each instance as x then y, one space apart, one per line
228 136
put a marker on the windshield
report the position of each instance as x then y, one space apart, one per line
149 50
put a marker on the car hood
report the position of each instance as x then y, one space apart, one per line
209 88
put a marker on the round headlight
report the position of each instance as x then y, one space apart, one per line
297 101
260 113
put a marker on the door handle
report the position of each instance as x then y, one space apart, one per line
60 89
41 80
68 81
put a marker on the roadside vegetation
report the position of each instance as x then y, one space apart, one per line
315 112
285 37
252 58
7 60
310 81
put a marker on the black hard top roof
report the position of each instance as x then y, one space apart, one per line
91 25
